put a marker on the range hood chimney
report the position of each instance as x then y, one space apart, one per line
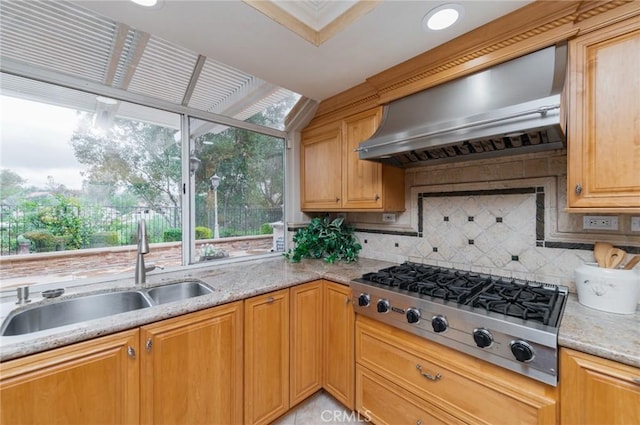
508 109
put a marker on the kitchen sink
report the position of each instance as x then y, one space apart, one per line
178 291
40 317
73 310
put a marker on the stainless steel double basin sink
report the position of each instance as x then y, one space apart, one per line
94 306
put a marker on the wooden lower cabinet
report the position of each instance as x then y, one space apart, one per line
92 382
306 340
338 344
597 391
469 389
385 403
266 357
192 368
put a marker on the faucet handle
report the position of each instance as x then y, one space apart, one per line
23 295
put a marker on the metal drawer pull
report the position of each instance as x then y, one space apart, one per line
636 380
270 300
426 375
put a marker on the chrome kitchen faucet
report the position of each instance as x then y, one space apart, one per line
143 248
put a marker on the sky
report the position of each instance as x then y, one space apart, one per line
34 142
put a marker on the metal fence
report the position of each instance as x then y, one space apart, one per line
101 225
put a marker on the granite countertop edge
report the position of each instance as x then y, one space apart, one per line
612 336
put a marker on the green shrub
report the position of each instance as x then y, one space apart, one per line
42 240
203 232
172 235
266 229
99 239
330 240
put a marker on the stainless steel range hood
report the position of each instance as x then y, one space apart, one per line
508 109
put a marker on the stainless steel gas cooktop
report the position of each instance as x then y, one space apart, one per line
509 322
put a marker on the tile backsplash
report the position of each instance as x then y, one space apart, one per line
504 217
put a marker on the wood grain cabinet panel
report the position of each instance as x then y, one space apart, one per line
92 382
192 368
597 391
332 176
464 387
306 340
338 345
266 357
604 119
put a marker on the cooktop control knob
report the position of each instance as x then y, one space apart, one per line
439 323
364 300
413 315
482 337
522 351
383 306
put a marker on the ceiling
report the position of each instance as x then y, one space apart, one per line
380 35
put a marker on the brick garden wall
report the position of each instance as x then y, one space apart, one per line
103 261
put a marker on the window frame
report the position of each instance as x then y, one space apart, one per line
12 67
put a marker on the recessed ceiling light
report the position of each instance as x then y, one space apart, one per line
145 3
442 17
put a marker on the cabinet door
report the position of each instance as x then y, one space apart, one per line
266 357
339 359
192 368
92 382
306 340
604 113
362 180
321 169
597 391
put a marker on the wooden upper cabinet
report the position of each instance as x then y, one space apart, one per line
92 382
321 168
604 120
333 178
191 368
597 391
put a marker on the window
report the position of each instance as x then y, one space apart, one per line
239 186
79 171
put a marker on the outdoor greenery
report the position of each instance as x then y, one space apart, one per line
322 238
132 170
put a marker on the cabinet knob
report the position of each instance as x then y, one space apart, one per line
131 352
270 300
347 300
337 199
148 345
578 189
636 381
376 197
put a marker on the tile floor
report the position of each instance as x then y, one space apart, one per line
319 409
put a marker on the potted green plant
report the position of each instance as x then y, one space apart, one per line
331 240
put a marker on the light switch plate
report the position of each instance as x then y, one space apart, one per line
635 224
388 218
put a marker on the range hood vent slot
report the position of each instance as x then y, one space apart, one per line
508 109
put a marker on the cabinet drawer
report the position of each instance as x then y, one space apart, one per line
385 403
407 360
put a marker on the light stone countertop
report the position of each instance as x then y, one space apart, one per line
612 336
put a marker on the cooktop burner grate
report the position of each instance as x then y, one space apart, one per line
526 300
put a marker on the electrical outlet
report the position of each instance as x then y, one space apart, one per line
635 224
600 222
389 218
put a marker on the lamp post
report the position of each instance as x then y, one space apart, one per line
215 182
